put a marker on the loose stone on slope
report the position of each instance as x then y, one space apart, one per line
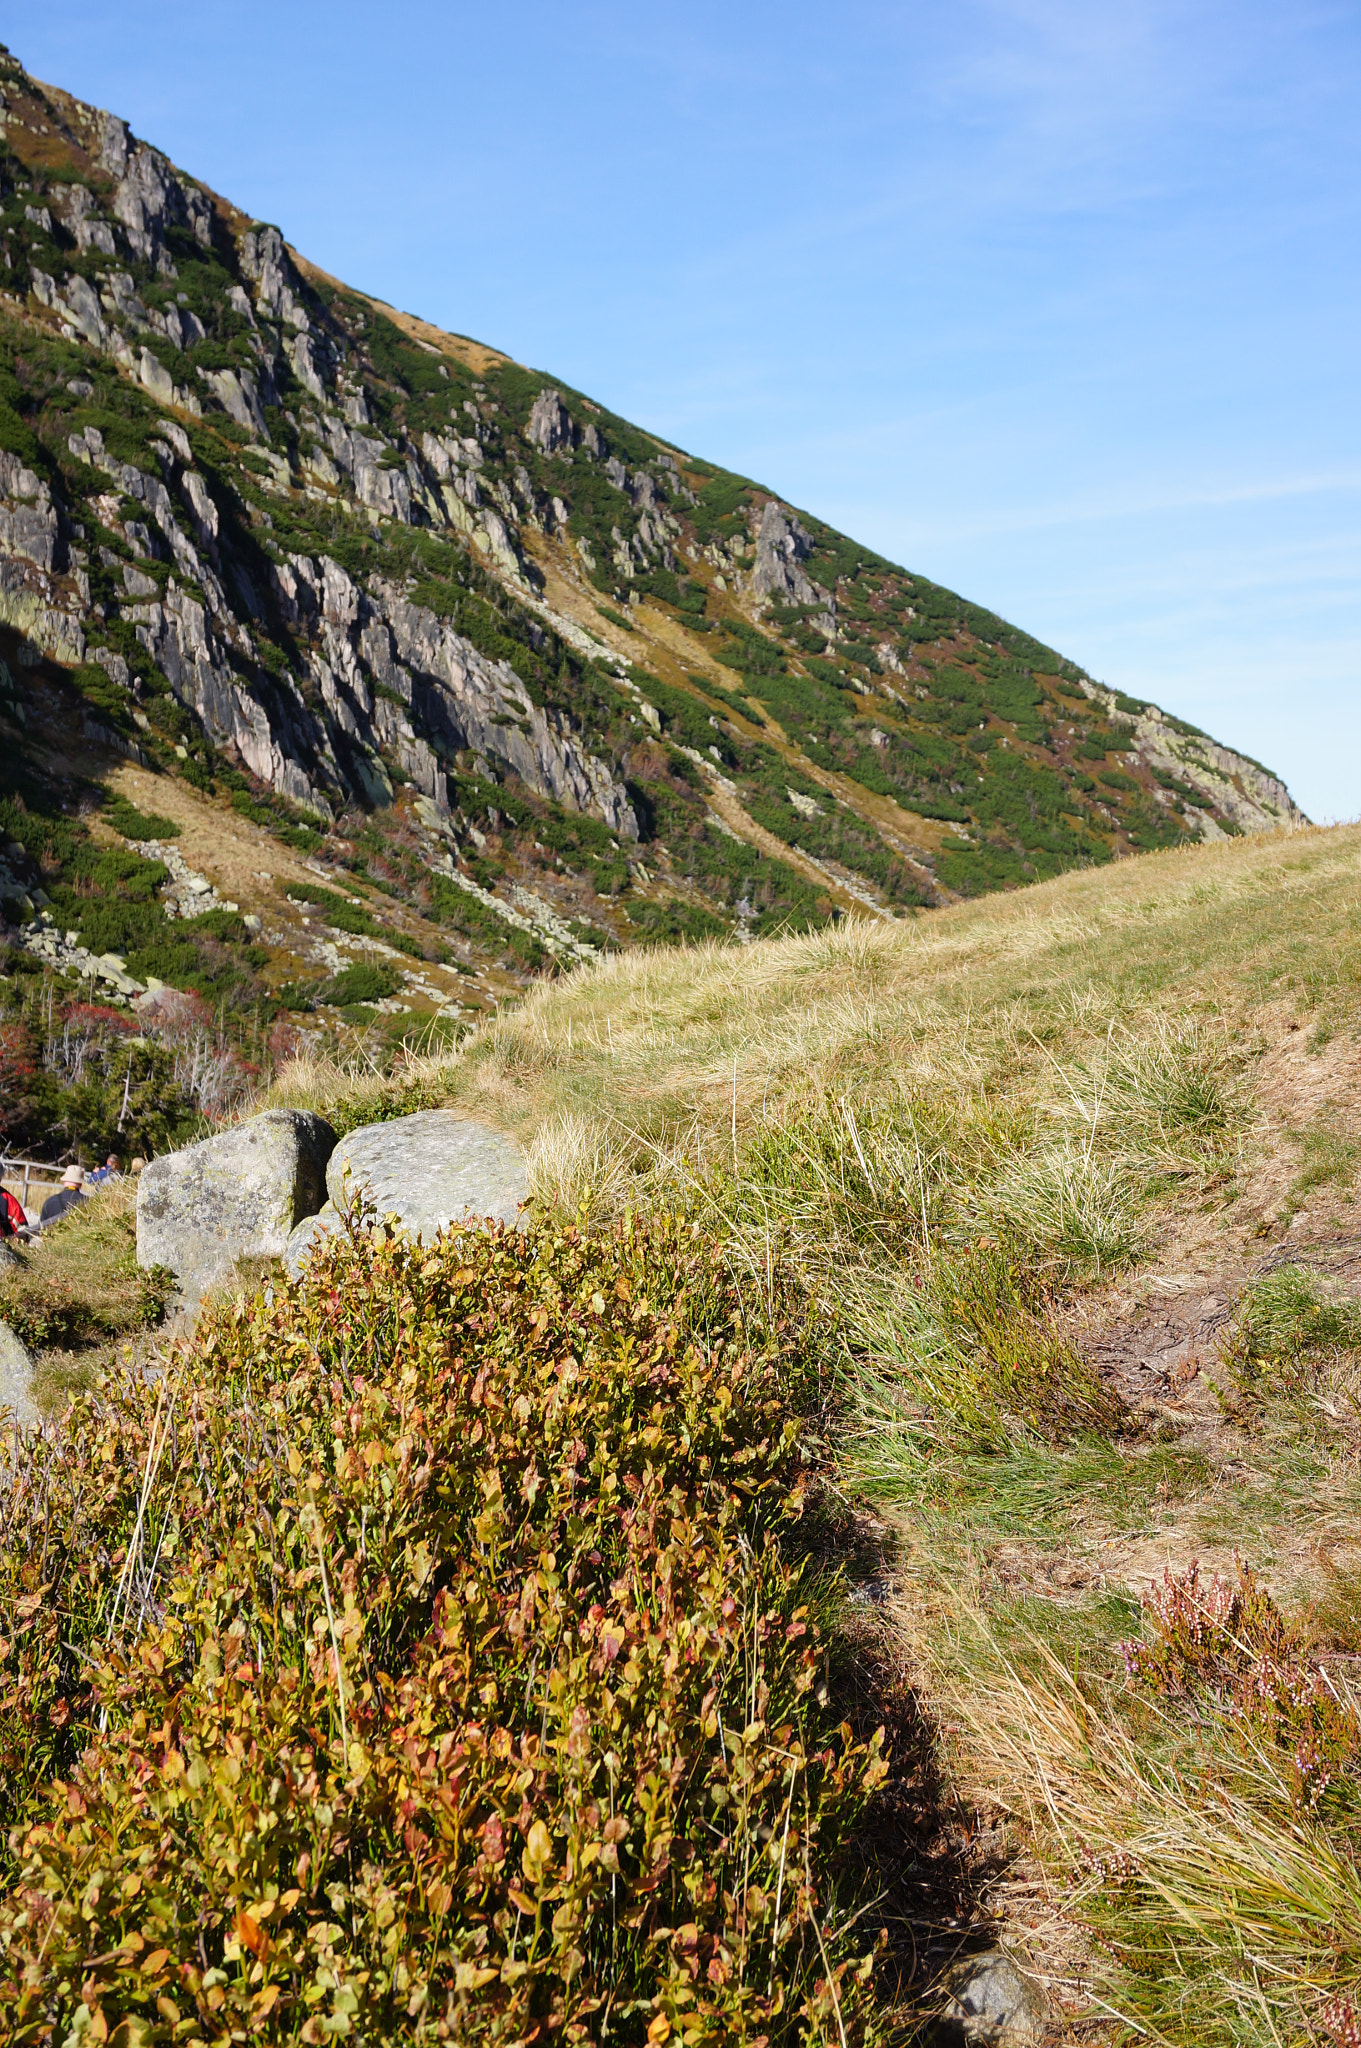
993 2002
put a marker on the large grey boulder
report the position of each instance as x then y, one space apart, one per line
242 1192
995 2002
429 1170
16 1377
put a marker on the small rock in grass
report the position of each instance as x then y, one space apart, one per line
200 1209
995 2002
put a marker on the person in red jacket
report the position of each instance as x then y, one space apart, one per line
13 1222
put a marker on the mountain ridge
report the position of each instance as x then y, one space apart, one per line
490 652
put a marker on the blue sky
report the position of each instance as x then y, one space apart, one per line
1056 303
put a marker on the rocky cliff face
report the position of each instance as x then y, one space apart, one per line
271 530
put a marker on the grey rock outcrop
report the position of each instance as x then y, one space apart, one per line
149 198
430 1170
55 948
995 2002
236 392
16 1378
308 1233
436 693
781 545
28 520
550 424
243 1192
1239 787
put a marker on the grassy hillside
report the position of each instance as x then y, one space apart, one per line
1047 1207
1072 1176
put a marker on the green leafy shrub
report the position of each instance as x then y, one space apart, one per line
354 918
305 838
126 819
421 1659
367 981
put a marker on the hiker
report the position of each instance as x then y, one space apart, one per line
71 1191
13 1219
108 1171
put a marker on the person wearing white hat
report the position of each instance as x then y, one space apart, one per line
71 1191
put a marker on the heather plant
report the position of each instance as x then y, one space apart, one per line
427 1655
1229 1643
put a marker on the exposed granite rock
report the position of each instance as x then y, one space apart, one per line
82 219
1253 798
59 949
550 424
269 724
301 352
76 302
187 893
431 1170
781 545
29 525
380 487
149 198
16 1379
113 142
179 326
29 603
437 693
243 1192
199 498
265 259
307 1234
155 377
236 392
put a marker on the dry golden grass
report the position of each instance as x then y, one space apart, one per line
619 1070
1130 1078
76 1295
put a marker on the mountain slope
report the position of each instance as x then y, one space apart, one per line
522 681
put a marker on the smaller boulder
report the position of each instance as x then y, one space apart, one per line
309 1232
201 1209
430 1170
994 2003
16 1378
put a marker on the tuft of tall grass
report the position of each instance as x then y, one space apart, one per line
1223 1910
1079 1213
1294 1334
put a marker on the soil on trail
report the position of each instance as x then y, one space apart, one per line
1159 1339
